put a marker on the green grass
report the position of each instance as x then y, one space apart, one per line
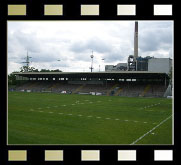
99 120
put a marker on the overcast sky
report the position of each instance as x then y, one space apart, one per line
72 42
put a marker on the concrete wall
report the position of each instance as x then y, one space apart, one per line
159 65
115 67
109 67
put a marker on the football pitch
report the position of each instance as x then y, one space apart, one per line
49 118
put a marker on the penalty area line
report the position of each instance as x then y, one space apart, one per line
141 137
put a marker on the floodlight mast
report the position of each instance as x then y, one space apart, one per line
92 56
103 62
59 61
27 61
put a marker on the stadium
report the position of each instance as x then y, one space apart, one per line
128 103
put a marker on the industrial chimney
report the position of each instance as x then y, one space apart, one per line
136 41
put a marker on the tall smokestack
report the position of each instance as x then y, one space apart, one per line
136 40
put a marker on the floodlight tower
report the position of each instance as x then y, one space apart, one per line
92 56
59 60
27 61
103 59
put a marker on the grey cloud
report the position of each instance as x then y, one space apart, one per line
60 64
95 44
19 43
119 54
27 41
113 57
85 56
110 53
155 37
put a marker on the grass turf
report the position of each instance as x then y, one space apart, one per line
49 118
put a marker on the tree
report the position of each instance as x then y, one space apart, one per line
32 69
28 69
35 70
24 69
12 79
45 70
56 70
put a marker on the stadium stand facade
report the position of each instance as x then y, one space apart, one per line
131 84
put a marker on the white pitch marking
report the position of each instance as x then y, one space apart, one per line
141 137
70 114
107 118
98 117
116 119
50 112
144 122
60 113
79 115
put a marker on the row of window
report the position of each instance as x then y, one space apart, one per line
85 79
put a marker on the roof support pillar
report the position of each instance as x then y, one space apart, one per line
165 81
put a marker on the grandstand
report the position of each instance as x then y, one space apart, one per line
123 83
